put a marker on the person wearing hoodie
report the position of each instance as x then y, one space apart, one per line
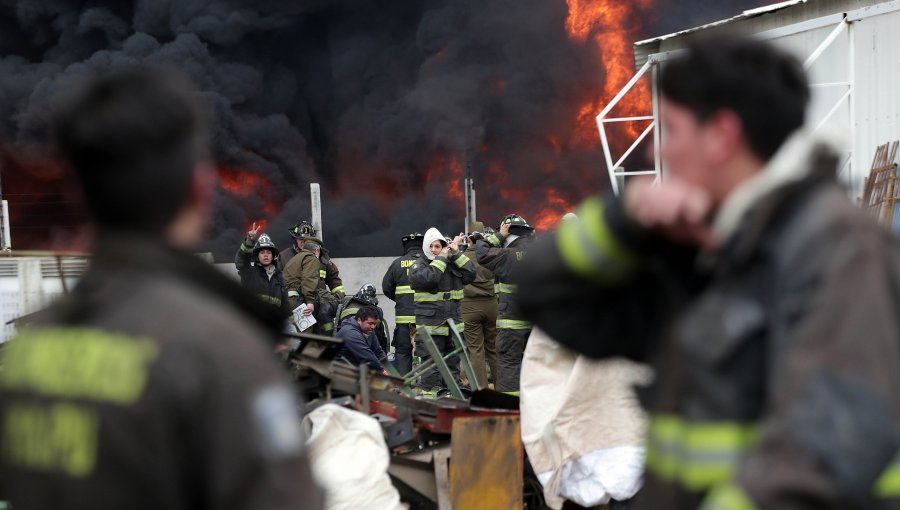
503 253
396 287
360 342
766 299
437 279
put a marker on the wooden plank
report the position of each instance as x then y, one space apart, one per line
487 463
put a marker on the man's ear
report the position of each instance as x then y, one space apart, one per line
724 134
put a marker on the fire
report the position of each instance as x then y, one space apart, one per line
612 26
551 211
245 185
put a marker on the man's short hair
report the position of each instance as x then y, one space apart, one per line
311 245
765 86
134 139
366 312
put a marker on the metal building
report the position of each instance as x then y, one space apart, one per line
851 50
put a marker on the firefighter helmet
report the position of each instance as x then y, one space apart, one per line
302 230
517 225
265 243
368 294
413 239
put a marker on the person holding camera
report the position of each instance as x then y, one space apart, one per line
438 278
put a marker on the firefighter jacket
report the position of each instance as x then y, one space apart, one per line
268 286
483 286
301 275
504 257
396 287
776 354
151 385
328 271
438 286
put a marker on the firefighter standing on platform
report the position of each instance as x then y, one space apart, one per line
304 285
479 310
396 287
438 278
328 270
503 253
256 264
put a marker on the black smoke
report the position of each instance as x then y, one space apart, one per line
372 99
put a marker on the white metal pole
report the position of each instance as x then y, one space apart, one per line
7 236
315 201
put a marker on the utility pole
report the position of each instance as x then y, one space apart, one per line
469 185
315 201
5 235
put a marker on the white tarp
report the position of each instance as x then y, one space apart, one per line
582 426
350 460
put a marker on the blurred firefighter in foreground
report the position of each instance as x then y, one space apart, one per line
150 385
396 287
304 276
438 278
503 253
767 301
479 309
256 264
328 271
366 296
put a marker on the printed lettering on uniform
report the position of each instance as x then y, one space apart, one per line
277 422
59 437
520 255
407 263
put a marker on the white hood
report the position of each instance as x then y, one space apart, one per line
431 236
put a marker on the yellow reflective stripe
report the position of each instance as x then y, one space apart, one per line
728 497
513 393
888 484
404 289
348 312
270 299
322 273
505 288
440 264
327 326
245 248
339 288
436 330
588 247
493 240
697 455
461 261
406 319
453 295
513 324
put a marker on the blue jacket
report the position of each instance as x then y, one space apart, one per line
358 347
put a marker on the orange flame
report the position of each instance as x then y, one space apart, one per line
611 26
245 184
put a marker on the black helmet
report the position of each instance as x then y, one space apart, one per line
414 239
265 243
368 293
302 230
517 225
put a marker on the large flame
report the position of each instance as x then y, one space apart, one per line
246 184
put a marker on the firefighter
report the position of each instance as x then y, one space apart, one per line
438 278
256 264
305 285
766 299
396 287
479 309
151 385
503 253
366 296
328 270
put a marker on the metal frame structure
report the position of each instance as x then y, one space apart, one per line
842 22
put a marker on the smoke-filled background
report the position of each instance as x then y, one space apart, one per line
384 103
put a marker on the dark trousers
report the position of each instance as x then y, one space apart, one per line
510 350
403 347
480 319
432 378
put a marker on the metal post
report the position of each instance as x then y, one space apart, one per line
469 185
315 201
6 241
438 358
